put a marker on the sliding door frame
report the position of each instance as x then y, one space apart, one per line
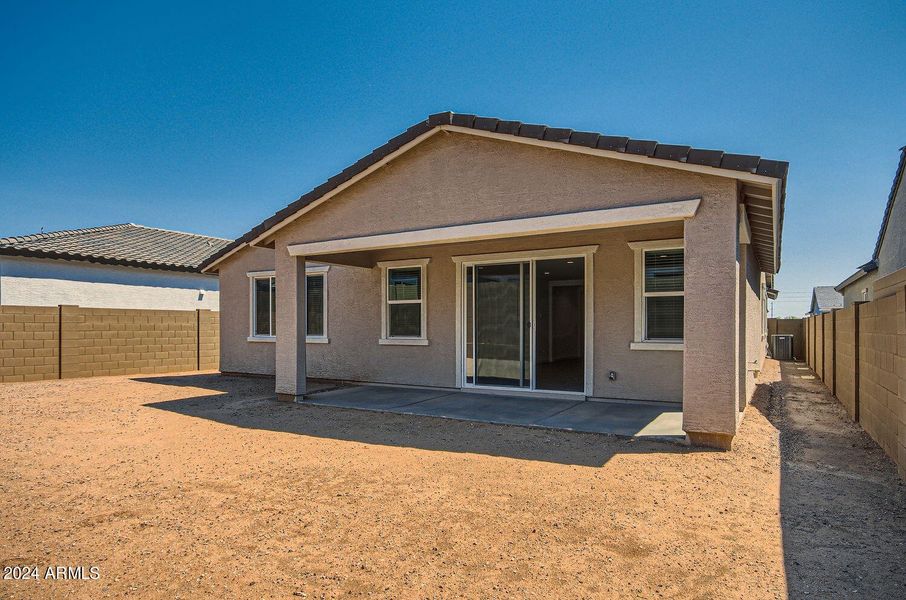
531 257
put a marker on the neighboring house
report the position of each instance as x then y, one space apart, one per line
495 256
859 287
115 266
825 299
890 249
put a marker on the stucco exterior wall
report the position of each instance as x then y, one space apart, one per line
892 253
237 354
854 292
455 178
47 282
354 322
753 310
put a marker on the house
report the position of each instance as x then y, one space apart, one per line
502 257
825 299
889 256
114 266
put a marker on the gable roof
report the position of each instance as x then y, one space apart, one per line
765 224
861 272
897 179
825 298
126 244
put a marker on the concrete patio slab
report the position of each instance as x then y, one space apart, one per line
506 410
374 397
615 418
621 418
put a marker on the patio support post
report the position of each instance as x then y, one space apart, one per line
711 383
290 325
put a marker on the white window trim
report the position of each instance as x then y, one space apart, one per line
313 339
639 341
385 266
253 276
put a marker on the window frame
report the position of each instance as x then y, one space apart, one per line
640 340
386 303
253 277
318 270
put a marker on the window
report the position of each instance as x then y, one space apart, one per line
403 317
659 295
263 305
316 304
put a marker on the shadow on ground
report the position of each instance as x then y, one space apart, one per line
842 505
249 403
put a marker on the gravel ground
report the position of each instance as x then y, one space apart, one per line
201 485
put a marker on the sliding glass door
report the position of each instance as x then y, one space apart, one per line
524 324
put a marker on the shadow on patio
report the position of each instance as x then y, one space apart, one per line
249 403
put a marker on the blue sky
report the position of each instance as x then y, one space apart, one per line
209 118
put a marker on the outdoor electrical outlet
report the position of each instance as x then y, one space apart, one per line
612 376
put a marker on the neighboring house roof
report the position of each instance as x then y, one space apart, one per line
126 244
763 220
825 298
897 180
864 270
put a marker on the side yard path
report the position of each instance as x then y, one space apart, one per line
188 485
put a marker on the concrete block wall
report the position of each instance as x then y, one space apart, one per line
71 341
866 352
829 355
819 346
208 340
845 359
882 374
29 343
102 341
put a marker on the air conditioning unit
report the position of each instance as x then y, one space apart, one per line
782 346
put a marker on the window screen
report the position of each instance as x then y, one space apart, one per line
663 294
404 302
314 302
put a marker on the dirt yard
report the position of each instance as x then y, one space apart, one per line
183 486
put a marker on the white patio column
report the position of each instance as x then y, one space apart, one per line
711 333
290 282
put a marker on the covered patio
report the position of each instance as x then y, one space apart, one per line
650 420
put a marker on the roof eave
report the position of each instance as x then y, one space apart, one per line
32 253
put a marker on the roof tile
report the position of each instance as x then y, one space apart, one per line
708 158
671 152
557 134
532 131
588 139
613 142
509 127
643 147
739 162
126 244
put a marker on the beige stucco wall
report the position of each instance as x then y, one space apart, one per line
752 308
354 305
456 178
237 354
853 292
